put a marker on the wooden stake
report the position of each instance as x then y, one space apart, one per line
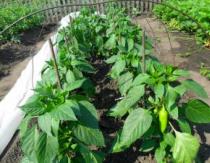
55 64
143 51
143 61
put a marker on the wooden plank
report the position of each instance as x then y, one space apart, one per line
103 8
65 12
56 12
138 5
131 8
153 4
145 7
53 17
121 4
78 8
74 7
48 12
97 7
124 4
135 4
68 9
90 2
128 7
150 6
142 7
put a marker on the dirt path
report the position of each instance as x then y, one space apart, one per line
14 57
181 50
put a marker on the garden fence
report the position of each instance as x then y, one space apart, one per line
54 15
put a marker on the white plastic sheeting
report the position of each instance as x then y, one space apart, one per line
10 113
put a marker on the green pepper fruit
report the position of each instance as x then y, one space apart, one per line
163 119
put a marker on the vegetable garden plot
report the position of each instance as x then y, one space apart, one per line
150 107
197 22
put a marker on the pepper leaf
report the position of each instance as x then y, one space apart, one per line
185 148
197 111
136 124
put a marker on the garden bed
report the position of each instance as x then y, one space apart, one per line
107 94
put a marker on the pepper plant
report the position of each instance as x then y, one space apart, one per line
155 113
65 128
124 43
65 123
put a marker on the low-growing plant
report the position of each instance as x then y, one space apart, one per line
125 39
198 10
10 13
155 113
205 71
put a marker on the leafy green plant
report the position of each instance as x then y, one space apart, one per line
65 128
151 106
12 12
125 43
196 9
67 123
205 71
153 110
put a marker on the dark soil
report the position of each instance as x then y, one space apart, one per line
13 53
105 98
15 56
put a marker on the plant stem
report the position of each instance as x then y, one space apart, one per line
172 127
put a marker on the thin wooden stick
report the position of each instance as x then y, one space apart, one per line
143 51
143 61
55 64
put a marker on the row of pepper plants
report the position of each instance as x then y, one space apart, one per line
61 125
